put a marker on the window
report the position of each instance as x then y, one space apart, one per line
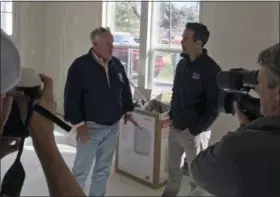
147 38
169 20
164 68
7 17
124 21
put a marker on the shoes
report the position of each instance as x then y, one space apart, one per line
185 169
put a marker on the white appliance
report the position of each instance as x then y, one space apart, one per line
142 141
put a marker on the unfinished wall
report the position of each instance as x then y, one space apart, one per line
52 34
67 36
239 30
30 33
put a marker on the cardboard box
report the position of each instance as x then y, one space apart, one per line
142 152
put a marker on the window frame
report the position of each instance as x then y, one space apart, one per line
15 22
9 13
148 46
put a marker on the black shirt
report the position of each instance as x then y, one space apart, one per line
195 98
89 97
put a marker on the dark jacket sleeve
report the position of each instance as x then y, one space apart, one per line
174 84
213 168
72 95
126 93
212 93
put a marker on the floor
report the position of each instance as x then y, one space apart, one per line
118 185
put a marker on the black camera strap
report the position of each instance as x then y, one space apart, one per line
41 110
14 178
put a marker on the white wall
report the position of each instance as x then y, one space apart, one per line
30 28
67 36
239 30
52 34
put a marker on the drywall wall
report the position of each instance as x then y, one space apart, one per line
239 31
67 36
52 34
30 28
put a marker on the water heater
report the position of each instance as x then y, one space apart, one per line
142 141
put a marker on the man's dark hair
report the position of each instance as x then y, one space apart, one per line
200 32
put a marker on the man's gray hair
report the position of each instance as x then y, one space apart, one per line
270 59
96 33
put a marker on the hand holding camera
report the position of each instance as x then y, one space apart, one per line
40 125
30 100
26 110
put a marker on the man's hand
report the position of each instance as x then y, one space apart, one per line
83 133
8 146
242 118
47 99
41 128
59 178
130 118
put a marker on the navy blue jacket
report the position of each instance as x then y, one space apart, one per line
88 96
195 98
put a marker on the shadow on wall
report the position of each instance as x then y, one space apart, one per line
224 124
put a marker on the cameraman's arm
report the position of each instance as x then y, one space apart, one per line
59 178
72 94
212 168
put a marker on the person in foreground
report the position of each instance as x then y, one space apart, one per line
97 95
194 106
247 162
59 178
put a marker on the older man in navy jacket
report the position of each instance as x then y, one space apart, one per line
97 95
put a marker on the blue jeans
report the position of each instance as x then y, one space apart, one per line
100 147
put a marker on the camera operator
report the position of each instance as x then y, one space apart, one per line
59 178
247 161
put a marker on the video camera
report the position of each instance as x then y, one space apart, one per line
236 85
25 96
16 126
29 86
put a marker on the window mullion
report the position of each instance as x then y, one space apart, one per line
109 14
145 26
105 13
15 13
154 17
